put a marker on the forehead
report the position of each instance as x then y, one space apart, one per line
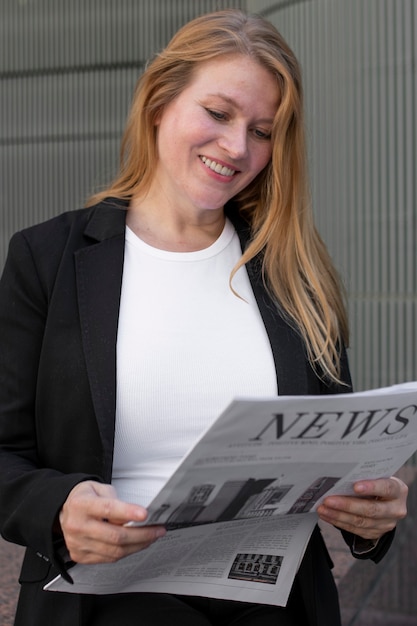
238 79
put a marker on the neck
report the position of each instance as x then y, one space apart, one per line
174 230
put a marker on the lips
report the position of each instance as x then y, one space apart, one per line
217 167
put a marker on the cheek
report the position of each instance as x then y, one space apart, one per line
198 132
262 158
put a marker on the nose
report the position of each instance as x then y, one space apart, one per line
234 141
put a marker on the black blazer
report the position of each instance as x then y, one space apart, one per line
59 305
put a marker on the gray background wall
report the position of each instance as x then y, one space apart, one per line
67 72
359 61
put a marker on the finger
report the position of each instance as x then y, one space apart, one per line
382 503
381 498
369 519
382 488
365 527
384 513
360 507
116 511
105 542
94 500
115 542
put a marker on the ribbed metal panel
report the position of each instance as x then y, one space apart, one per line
67 72
359 63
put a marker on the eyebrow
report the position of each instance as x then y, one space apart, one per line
235 104
224 97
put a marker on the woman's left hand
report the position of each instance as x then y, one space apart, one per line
375 509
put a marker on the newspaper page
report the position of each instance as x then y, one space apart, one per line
240 509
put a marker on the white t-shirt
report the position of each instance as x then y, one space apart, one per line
186 346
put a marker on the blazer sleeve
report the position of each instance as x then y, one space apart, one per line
360 548
31 495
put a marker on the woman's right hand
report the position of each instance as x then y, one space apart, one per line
93 520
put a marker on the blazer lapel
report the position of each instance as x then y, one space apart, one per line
286 343
99 269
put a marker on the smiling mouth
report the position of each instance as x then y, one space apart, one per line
217 167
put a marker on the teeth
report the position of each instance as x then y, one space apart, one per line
216 167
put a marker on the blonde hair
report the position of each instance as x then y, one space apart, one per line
296 266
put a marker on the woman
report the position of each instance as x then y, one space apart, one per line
152 276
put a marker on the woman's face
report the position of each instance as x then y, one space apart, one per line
214 138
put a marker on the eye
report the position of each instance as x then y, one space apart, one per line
217 115
262 134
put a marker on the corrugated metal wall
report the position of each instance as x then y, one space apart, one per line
67 70
359 59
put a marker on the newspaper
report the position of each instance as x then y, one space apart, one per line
240 509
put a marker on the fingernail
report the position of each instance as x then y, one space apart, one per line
161 532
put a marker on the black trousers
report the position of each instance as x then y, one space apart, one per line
149 609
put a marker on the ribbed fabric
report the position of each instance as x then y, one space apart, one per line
186 347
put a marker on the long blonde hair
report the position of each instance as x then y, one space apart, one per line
296 266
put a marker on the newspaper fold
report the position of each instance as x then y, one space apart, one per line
241 507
